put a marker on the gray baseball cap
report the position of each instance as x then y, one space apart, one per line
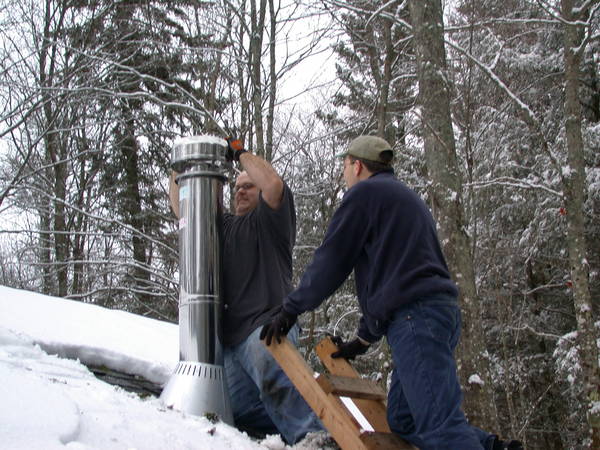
371 148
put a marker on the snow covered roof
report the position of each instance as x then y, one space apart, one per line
50 400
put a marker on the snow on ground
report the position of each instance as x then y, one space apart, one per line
50 400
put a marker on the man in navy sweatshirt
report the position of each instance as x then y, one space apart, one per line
385 233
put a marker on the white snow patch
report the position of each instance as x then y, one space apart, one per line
51 403
96 336
475 379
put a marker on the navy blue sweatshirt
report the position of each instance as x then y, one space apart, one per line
384 232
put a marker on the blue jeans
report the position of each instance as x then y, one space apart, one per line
263 399
424 401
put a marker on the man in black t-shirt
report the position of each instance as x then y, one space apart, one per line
257 275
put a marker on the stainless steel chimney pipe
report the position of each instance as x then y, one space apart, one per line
198 385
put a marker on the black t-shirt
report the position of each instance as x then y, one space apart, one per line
257 265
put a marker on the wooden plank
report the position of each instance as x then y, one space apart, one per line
374 411
384 441
334 416
351 387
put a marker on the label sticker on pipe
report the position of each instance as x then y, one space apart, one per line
183 192
182 223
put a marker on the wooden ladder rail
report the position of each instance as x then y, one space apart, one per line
323 396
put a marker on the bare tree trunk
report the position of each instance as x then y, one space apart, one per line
446 194
272 93
244 128
45 255
574 197
54 147
382 75
384 90
61 238
257 17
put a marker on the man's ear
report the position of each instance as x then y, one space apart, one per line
358 168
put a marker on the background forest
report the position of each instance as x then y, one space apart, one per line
493 107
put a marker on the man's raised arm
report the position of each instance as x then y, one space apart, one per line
264 177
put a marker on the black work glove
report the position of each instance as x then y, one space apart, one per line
235 147
348 350
279 326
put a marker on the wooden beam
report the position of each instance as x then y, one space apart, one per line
342 427
351 387
326 404
374 411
